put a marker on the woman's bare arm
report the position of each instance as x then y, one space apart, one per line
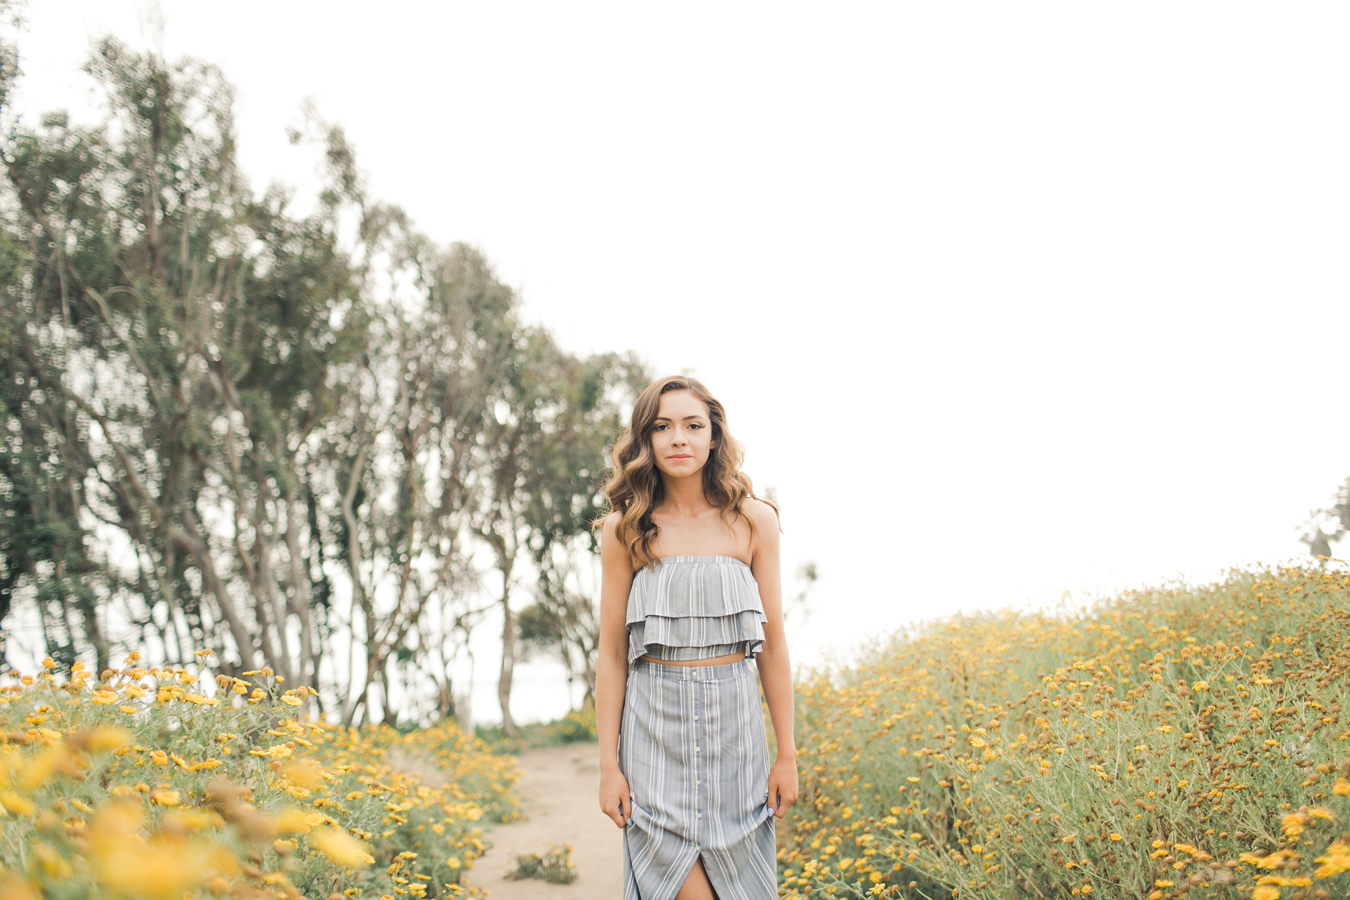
775 669
611 670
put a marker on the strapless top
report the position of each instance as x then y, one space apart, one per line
689 605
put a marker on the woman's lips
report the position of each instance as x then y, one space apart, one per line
686 456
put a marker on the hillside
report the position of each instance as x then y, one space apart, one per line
1166 741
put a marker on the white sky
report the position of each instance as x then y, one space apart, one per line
1004 299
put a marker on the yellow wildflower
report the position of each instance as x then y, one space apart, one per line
341 847
186 819
304 773
20 806
1335 861
103 739
53 864
276 751
165 797
126 866
1285 880
1272 861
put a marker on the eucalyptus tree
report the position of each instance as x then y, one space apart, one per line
1326 526
546 451
410 470
563 496
171 340
293 440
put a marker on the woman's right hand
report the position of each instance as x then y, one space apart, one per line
614 799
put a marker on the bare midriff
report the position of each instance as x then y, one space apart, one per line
714 661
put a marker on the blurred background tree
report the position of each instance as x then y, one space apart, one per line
299 441
1326 526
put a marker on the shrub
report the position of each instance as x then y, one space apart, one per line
144 784
578 726
554 866
1167 741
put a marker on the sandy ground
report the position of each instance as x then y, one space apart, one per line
559 790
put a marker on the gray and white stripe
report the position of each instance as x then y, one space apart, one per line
688 603
692 746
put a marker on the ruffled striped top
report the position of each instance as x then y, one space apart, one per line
694 607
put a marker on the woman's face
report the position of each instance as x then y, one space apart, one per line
682 434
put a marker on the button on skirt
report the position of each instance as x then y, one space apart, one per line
692 746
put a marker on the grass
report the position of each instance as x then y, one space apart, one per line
578 726
553 866
1169 741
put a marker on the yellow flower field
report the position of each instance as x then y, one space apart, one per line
141 784
1164 743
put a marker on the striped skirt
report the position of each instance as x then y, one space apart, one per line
692 746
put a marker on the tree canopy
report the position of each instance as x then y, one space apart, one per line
315 442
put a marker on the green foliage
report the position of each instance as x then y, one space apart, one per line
264 412
496 738
578 726
553 866
10 20
1171 740
1327 526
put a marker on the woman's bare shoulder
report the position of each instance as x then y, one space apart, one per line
761 513
764 538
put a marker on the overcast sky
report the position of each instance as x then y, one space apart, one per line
1005 300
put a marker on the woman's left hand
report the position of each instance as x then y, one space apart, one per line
782 786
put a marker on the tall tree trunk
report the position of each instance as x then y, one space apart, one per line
300 595
192 542
359 600
508 654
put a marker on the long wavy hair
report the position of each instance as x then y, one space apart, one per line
635 487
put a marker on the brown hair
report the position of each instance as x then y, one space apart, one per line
635 487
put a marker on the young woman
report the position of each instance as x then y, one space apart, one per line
691 595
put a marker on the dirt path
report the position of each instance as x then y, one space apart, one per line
558 793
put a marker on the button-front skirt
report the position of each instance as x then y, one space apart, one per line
692 746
